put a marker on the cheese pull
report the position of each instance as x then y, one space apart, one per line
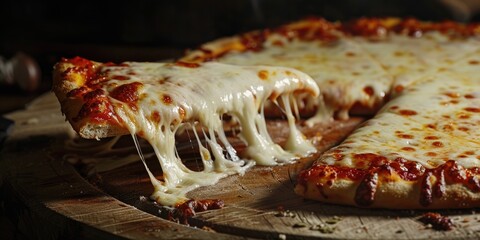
156 100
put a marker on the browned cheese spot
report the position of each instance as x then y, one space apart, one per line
407 112
167 99
408 149
187 64
263 74
448 128
399 88
163 80
469 152
278 43
472 109
405 136
155 117
464 116
369 90
473 62
452 94
437 144
431 154
350 54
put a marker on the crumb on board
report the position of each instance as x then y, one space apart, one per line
436 221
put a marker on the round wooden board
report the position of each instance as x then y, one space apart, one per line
47 197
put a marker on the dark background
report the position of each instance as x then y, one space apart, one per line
144 30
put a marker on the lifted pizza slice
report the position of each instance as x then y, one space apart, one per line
154 100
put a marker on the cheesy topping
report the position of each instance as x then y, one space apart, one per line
431 122
444 102
407 59
155 100
346 73
362 63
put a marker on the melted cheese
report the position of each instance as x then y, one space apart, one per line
408 59
431 122
446 102
391 136
100 156
346 74
357 69
467 66
172 97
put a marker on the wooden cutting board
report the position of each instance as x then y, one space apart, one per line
46 196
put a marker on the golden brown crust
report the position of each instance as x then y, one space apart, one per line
397 184
322 30
398 194
308 29
77 98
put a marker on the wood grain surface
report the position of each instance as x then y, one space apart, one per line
48 197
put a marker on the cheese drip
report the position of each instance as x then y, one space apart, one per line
201 95
100 156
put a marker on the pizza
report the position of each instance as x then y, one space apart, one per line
416 81
419 80
155 100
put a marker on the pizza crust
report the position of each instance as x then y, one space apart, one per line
68 77
397 194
